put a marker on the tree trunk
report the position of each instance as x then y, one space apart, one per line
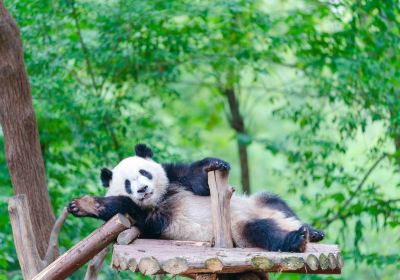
237 123
21 138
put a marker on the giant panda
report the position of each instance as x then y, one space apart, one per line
172 201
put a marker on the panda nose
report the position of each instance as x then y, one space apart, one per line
142 190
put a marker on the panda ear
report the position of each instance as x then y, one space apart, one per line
142 150
106 176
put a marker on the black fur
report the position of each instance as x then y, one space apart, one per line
193 177
265 233
275 202
146 173
151 222
142 150
105 176
112 205
128 186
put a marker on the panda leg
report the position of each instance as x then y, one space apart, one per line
275 202
265 233
104 208
296 241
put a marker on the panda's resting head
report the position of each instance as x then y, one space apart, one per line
138 177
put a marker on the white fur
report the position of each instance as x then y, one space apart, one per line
192 218
128 169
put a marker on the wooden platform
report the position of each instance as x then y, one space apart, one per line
190 257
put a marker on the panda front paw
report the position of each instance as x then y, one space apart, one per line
86 206
212 164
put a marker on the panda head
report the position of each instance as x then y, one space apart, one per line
138 177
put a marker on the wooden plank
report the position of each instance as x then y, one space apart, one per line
232 260
85 250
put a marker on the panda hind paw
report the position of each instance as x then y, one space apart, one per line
297 240
316 235
86 206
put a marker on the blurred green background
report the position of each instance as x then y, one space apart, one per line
316 85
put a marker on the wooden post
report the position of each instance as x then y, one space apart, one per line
86 249
24 238
221 194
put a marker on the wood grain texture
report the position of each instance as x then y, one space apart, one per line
52 248
24 238
21 137
128 236
233 260
95 265
85 250
221 194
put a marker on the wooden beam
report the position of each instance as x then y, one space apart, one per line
85 250
128 236
231 260
221 194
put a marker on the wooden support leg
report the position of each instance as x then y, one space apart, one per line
212 276
221 194
24 238
95 265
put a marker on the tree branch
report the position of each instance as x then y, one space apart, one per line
359 186
52 250
95 265
85 49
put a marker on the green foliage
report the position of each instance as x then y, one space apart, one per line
316 81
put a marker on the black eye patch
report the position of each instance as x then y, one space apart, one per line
128 186
146 174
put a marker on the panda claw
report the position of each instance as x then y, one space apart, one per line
217 164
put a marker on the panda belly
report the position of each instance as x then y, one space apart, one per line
192 218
